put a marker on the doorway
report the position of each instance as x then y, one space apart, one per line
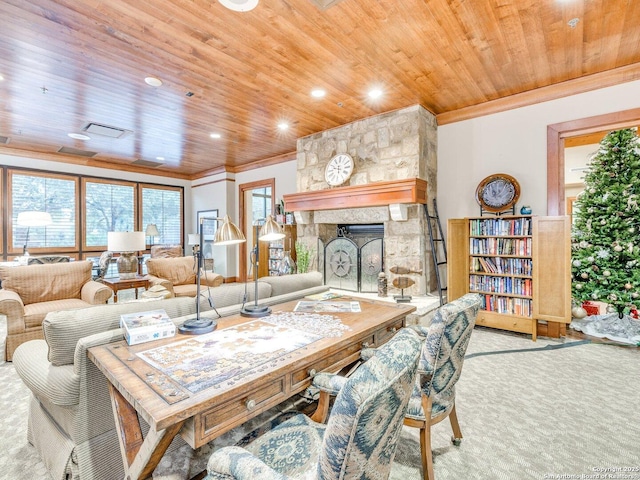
256 201
556 135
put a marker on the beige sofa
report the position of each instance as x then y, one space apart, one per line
30 292
70 415
178 275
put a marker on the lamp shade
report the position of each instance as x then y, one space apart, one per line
228 233
34 219
152 230
125 241
193 239
270 231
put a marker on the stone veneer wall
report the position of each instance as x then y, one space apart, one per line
391 146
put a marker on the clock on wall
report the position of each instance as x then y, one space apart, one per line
339 169
498 192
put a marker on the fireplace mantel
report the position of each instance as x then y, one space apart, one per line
411 190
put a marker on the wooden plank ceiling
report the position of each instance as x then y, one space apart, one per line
68 63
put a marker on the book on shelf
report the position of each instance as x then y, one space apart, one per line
146 326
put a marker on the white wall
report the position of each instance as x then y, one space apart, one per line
221 192
284 174
513 142
215 192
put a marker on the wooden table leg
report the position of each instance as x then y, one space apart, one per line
140 456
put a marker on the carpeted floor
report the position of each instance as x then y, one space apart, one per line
527 411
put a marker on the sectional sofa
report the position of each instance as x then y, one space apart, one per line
70 419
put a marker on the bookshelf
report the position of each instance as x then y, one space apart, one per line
272 253
520 265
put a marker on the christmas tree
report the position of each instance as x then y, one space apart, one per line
605 247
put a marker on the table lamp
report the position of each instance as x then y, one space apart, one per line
194 242
151 231
32 219
227 234
126 243
269 231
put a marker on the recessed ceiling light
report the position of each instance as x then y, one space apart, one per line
239 5
283 125
153 81
79 136
375 93
160 159
215 135
318 93
1 78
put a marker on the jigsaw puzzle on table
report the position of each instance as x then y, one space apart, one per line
236 353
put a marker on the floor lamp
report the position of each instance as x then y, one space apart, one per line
227 234
269 231
32 219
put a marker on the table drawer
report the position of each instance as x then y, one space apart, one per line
383 335
505 322
132 284
332 362
242 408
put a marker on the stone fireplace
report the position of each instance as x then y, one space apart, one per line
394 175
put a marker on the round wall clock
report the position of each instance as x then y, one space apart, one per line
339 169
498 192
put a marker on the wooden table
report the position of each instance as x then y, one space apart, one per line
118 283
137 387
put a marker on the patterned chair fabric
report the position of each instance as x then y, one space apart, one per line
359 440
445 345
439 368
48 259
103 265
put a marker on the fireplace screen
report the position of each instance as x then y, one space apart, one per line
350 267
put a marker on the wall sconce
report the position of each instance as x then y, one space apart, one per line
126 243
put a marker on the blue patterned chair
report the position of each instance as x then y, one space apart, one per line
445 345
446 341
360 436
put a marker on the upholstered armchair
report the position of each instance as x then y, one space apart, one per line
440 366
30 292
445 346
103 265
166 251
360 436
178 275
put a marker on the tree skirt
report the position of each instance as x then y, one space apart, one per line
623 330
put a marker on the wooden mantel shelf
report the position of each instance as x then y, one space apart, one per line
411 190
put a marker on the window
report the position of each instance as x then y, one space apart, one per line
109 207
261 202
83 210
51 193
163 207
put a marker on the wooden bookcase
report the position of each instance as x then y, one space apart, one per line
271 253
521 267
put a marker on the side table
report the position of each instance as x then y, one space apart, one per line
118 283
